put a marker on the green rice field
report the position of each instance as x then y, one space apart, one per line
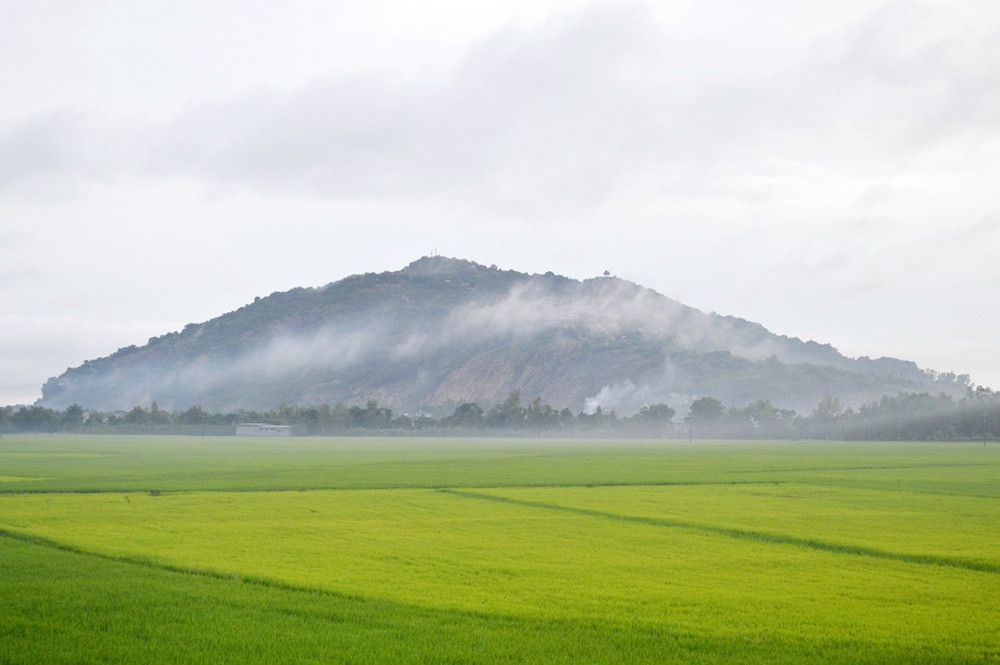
366 550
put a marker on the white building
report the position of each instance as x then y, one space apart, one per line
262 429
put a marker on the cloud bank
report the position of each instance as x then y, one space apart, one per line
826 168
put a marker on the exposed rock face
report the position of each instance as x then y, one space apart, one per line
443 331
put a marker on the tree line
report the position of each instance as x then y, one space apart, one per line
907 416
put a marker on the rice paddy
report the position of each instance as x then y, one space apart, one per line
165 549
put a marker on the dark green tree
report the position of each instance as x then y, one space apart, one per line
72 417
704 416
468 414
655 413
509 415
540 416
761 419
137 416
194 416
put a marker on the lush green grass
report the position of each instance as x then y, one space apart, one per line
370 550
126 463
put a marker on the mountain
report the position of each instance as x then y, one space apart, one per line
442 331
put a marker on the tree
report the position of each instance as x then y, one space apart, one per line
194 416
655 413
825 419
310 418
508 415
372 416
539 415
157 417
828 409
706 410
34 419
762 420
652 420
137 416
468 414
599 418
705 414
73 416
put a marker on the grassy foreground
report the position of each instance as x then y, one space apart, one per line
165 549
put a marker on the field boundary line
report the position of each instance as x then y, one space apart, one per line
381 488
146 562
743 534
10 491
868 467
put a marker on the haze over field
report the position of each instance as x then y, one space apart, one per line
827 169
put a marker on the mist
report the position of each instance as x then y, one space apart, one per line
444 331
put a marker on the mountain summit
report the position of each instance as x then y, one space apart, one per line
442 331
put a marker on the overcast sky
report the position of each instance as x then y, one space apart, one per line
830 169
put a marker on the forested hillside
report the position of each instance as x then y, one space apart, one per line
443 331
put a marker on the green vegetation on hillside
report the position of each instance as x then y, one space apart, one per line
443 330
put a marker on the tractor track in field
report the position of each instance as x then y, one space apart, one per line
147 562
744 534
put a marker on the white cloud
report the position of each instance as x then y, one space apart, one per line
567 114
800 164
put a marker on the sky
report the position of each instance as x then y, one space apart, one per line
828 169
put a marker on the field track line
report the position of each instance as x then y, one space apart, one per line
744 534
868 467
379 488
181 570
